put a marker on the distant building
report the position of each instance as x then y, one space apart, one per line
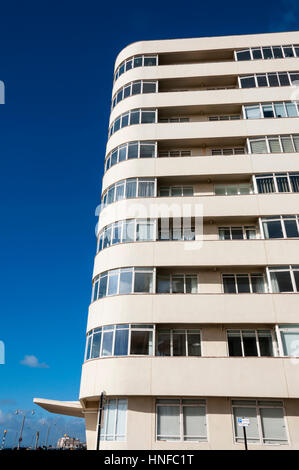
69 443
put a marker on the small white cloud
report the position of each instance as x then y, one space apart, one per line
32 361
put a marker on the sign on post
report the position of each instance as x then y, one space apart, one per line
244 422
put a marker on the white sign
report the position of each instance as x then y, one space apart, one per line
244 422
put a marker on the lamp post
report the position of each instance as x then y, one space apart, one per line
3 439
22 412
48 431
101 407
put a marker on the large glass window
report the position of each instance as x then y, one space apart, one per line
271 110
123 281
284 278
133 230
177 283
128 189
181 420
267 422
115 417
120 340
131 150
274 144
247 232
268 79
232 189
289 335
134 116
136 61
250 343
269 52
277 183
243 283
178 342
176 229
281 226
176 191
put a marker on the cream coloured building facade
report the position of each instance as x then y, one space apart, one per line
194 318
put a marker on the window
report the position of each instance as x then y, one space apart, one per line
181 420
178 342
268 79
177 284
133 230
228 151
271 110
289 336
277 183
136 61
134 88
120 340
250 343
176 229
224 118
281 226
115 417
267 423
175 191
237 233
135 116
128 189
123 281
174 119
174 153
284 278
270 52
232 189
130 150
243 283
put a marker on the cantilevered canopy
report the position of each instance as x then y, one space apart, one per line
69 408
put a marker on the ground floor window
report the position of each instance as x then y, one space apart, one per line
115 417
267 421
181 420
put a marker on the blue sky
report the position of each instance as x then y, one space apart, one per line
57 65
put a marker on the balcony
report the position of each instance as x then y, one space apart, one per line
213 308
204 376
197 253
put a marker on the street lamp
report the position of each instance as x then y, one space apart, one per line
22 412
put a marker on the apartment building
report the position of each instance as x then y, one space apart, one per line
194 315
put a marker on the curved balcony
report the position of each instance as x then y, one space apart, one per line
194 100
194 308
186 45
204 376
209 206
201 165
198 254
205 70
208 130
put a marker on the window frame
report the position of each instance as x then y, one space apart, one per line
255 330
243 227
281 219
283 268
115 101
257 406
131 59
187 332
104 433
119 327
201 403
96 281
250 274
171 275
